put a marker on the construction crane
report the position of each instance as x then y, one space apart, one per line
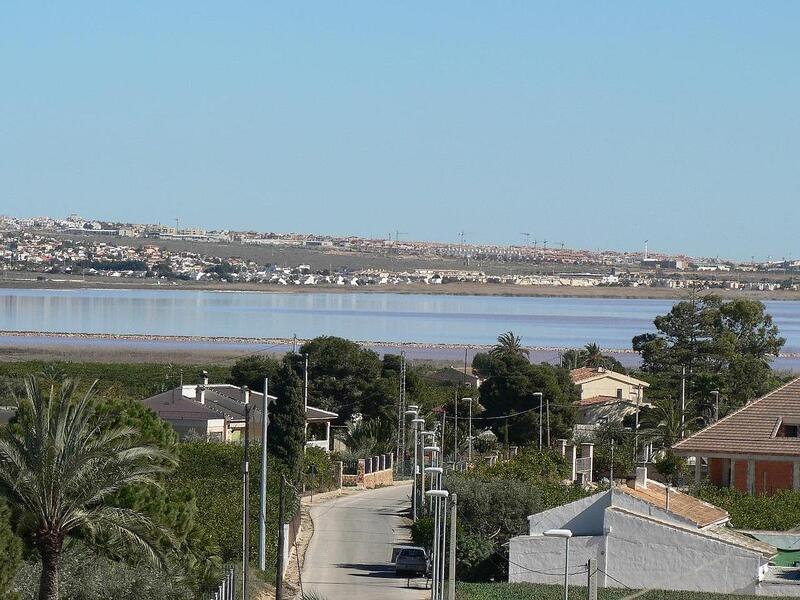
544 243
397 234
562 245
527 237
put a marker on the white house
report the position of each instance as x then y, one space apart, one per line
646 536
605 395
216 411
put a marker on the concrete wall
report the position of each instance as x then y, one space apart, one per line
539 559
641 553
645 554
582 517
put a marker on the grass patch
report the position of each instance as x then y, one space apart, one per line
530 591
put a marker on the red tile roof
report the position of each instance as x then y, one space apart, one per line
750 430
583 373
597 400
683 505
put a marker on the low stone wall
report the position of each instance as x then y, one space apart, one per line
378 478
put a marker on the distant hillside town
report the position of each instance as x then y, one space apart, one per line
79 246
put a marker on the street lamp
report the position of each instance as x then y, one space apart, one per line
422 435
413 414
715 393
540 417
565 534
439 541
417 423
434 452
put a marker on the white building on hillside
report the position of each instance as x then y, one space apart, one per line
645 536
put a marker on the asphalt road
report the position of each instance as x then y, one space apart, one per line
349 555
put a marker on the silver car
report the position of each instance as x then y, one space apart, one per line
411 561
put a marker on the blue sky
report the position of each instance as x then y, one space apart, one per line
597 124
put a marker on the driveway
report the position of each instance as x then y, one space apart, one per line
349 555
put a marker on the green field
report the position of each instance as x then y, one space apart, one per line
527 591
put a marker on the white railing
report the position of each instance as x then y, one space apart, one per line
317 444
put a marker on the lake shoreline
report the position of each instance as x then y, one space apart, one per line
20 281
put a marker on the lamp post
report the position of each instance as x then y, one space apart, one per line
540 417
422 437
417 424
437 581
565 534
715 393
413 414
434 451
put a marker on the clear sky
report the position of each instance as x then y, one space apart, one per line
598 124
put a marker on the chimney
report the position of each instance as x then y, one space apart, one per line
200 394
245 395
641 477
205 378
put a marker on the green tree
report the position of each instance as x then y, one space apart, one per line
287 420
509 390
251 371
339 373
509 343
10 551
725 346
61 465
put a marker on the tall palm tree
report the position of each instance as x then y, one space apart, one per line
593 356
60 465
508 343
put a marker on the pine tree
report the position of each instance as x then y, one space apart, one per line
287 420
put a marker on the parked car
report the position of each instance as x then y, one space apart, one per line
411 561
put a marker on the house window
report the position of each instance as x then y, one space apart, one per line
788 430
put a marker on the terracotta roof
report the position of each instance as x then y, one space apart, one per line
751 429
584 374
683 505
598 400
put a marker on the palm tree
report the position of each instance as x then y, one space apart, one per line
508 343
593 356
60 465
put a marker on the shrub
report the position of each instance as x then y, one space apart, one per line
779 512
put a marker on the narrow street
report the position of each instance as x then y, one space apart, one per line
349 555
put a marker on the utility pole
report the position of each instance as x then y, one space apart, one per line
455 431
403 407
262 514
305 399
548 422
540 417
683 400
279 566
246 493
636 425
611 475
451 579
294 343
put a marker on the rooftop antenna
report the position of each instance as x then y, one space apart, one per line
176 225
645 249
527 237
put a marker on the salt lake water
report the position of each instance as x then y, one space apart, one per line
381 317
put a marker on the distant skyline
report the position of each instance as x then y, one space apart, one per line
596 125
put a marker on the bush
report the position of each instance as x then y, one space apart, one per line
530 464
778 512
